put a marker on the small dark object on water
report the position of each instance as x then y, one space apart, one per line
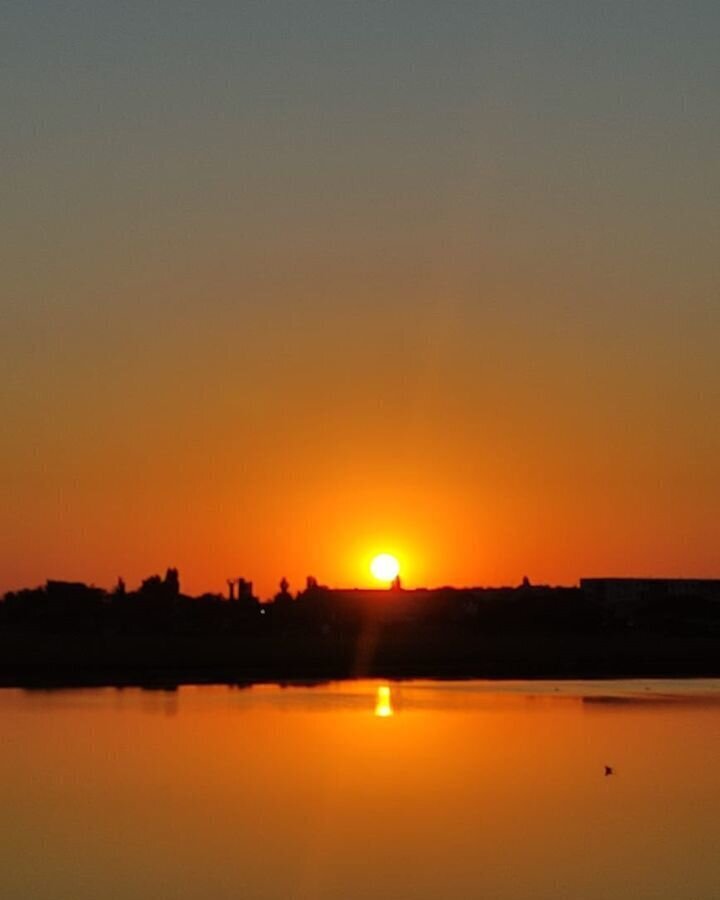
609 771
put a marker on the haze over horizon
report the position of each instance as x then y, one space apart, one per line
287 285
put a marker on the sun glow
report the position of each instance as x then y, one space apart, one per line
385 567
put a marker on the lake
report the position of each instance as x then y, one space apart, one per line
417 790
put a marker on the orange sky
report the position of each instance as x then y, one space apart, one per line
281 291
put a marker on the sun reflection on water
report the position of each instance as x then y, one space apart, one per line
383 702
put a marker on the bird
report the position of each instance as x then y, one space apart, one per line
609 771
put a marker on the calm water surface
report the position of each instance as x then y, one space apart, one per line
363 790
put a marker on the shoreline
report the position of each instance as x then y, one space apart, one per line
42 678
69 659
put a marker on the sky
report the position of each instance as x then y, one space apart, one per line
283 285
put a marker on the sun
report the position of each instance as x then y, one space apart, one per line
385 567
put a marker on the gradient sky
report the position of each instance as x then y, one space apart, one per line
283 284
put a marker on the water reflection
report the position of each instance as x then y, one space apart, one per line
383 702
274 792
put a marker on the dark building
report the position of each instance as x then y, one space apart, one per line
625 591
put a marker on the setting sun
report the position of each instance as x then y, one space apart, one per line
385 567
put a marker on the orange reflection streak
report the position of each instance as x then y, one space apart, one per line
383 702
